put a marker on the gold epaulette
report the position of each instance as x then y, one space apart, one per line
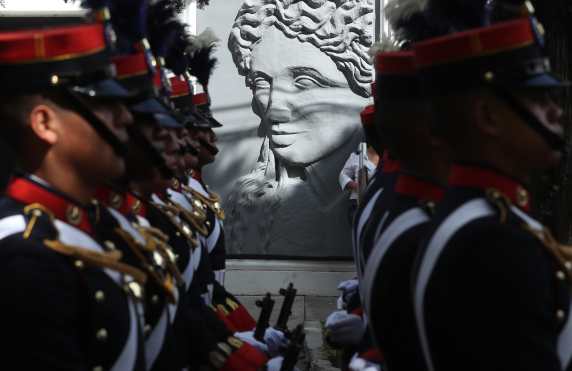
195 218
34 211
161 265
562 253
171 212
109 260
213 202
501 202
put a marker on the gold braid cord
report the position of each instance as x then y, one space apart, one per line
109 260
161 266
212 202
562 253
172 210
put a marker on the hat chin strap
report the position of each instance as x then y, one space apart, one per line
553 140
212 149
152 152
82 109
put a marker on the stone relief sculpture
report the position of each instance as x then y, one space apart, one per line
307 65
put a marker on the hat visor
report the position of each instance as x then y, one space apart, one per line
166 121
214 122
109 89
545 81
150 106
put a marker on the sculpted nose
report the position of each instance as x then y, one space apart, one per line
279 115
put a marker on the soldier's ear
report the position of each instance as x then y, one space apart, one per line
44 122
488 116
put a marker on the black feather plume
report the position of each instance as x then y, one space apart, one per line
129 19
163 26
458 15
508 9
176 57
95 4
410 22
201 61
203 3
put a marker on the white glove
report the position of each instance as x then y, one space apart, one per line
248 337
348 289
344 328
276 363
348 286
275 341
360 364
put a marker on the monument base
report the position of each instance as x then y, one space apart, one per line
254 277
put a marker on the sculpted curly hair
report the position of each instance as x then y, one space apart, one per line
342 29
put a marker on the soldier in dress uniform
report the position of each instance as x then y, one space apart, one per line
228 308
347 327
419 186
76 303
200 336
492 287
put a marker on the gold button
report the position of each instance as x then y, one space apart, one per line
522 197
155 299
216 359
135 289
560 314
78 264
147 329
55 79
208 223
489 76
225 348
568 265
236 343
99 296
561 275
178 234
109 244
101 334
115 200
98 368
73 215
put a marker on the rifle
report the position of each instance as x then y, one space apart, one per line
289 294
294 348
266 305
362 175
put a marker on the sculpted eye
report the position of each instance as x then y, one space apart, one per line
307 82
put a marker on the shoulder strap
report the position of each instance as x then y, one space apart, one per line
400 225
468 212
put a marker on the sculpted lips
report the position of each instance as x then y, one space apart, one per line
284 135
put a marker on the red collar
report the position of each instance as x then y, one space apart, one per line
390 165
482 178
28 192
422 190
126 203
197 175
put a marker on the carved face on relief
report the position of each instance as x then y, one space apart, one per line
304 102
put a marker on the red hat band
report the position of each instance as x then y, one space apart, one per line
132 65
368 115
496 39
50 45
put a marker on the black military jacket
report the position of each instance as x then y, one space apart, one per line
388 274
70 303
495 297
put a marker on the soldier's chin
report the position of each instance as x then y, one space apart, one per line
115 170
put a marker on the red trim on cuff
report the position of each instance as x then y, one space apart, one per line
246 358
